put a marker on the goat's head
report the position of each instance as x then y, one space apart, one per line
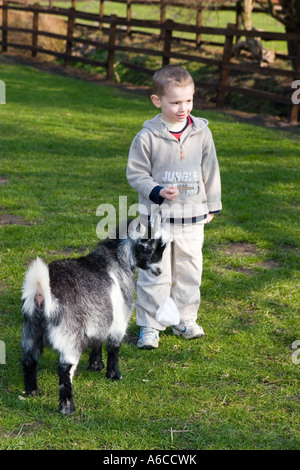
149 247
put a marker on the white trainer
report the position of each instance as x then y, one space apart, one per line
149 338
188 330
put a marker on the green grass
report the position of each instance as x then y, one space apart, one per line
64 146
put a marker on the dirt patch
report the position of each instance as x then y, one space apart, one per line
3 180
270 264
69 252
27 428
11 219
3 287
246 271
47 23
244 249
131 339
241 248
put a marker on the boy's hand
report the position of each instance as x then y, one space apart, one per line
209 218
169 193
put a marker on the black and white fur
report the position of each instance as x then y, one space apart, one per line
75 304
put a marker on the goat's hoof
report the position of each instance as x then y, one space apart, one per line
96 367
67 408
113 375
33 393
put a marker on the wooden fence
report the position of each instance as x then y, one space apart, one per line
224 64
196 6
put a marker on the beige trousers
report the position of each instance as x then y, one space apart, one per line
180 278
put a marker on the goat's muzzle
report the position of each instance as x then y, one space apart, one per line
156 271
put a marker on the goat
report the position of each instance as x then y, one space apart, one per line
79 303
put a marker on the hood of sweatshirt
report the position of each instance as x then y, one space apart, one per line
159 128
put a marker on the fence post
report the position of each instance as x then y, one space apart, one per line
4 26
224 71
198 24
167 42
111 47
295 107
69 43
162 17
101 13
35 27
239 17
128 16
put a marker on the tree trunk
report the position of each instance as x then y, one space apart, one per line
247 18
289 15
252 45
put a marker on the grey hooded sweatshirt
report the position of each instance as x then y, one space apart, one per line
157 159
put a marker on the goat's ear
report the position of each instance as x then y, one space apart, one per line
136 229
156 225
165 230
159 227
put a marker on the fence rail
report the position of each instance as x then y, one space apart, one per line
224 64
197 6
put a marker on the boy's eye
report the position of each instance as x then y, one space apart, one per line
177 102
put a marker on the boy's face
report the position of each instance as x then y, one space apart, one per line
176 104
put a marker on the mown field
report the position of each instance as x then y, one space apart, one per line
63 152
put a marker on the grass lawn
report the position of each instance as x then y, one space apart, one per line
64 146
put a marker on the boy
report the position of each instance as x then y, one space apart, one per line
173 165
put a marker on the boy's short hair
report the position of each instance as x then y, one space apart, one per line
170 75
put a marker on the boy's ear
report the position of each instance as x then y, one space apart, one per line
156 101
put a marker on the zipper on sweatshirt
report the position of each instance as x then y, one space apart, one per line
181 152
169 135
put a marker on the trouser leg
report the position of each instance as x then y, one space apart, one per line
187 270
152 291
180 278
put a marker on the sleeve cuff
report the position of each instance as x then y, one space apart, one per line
154 195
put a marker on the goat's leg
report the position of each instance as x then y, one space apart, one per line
66 401
32 345
95 360
113 371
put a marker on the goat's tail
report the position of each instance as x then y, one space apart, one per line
36 289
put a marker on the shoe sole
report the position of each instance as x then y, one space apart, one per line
147 346
184 336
